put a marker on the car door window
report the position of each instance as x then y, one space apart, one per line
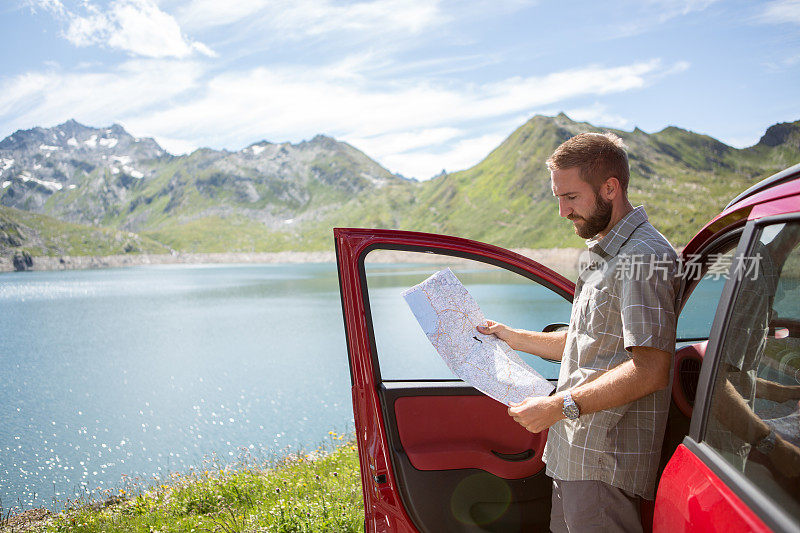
705 274
754 420
405 353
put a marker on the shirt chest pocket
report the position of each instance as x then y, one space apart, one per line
597 313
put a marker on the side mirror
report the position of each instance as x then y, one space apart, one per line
558 326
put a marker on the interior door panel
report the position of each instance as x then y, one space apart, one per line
443 435
452 432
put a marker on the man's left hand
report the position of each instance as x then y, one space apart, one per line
537 413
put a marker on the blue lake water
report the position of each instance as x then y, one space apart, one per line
149 370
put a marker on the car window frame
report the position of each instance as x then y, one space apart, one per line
362 274
750 494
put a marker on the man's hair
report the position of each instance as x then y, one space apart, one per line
599 156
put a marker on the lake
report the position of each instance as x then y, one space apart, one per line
144 371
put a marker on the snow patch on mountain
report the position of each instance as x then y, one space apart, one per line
52 185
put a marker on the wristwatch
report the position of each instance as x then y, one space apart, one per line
570 408
767 444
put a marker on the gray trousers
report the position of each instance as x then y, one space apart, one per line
587 506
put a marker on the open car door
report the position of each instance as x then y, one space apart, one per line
435 453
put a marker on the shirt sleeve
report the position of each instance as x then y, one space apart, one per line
647 304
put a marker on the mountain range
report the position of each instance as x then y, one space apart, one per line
77 190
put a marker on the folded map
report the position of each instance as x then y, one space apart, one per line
448 315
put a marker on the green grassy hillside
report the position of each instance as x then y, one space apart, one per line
40 235
682 178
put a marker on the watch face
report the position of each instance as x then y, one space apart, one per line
766 444
571 411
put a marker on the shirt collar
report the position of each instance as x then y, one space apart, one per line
621 232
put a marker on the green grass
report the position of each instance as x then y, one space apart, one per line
319 492
41 235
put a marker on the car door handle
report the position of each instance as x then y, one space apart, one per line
521 456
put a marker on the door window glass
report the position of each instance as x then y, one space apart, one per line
404 351
712 270
754 421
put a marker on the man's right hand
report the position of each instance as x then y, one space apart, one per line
501 331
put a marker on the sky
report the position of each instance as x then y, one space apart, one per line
420 86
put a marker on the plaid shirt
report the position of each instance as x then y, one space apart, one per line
625 299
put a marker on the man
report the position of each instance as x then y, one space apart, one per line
608 414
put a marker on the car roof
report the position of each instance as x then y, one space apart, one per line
789 174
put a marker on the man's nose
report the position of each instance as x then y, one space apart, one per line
563 209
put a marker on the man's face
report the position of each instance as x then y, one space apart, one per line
589 212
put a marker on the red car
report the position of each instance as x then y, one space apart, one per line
438 455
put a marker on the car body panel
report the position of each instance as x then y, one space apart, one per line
692 498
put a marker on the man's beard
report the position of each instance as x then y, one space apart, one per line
596 222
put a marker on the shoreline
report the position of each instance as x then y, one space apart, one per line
559 259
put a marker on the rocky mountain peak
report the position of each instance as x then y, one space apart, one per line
39 162
787 133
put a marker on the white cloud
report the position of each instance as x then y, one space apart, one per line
598 115
405 141
296 19
781 11
97 98
295 103
644 15
138 27
177 146
211 13
463 154
674 8
53 6
412 127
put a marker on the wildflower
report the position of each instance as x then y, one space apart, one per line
334 474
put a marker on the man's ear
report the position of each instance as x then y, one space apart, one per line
610 189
